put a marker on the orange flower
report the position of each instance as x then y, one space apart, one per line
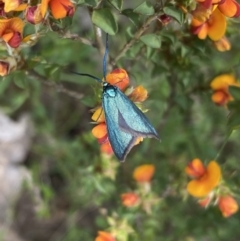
230 8
106 148
220 86
59 8
104 236
100 131
33 14
214 27
139 94
143 173
119 78
195 168
222 44
227 205
129 199
205 183
11 31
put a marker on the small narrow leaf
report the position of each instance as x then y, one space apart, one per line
151 40
104 19
144 8
174 13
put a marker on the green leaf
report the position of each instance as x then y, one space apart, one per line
4 83
144 8
104 19
174 13
234 120
19 100
151 40
235 92
150 52
91 3
117 4
20 79
168 37
133 17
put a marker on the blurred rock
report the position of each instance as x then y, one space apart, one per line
9 235
11 181
15 138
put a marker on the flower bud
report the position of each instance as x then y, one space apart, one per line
222 44
7 65
227 205
33 14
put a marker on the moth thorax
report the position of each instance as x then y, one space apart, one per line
108 89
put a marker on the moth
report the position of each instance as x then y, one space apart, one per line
125 121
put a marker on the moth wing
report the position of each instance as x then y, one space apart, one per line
121 141
131 119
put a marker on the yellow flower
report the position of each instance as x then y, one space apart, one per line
204 184
143 173
220 86
213 26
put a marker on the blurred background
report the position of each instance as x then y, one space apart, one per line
55 182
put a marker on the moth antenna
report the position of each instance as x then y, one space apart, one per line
88 75
105 59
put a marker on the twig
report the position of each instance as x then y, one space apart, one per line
76 37
135 38
57 87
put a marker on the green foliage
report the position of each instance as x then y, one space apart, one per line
104 19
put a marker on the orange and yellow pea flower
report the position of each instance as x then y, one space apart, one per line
227 205
104 236
206 178
229 8
213 26
119 78
144 173
130 199
11 31
59 8
219 85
